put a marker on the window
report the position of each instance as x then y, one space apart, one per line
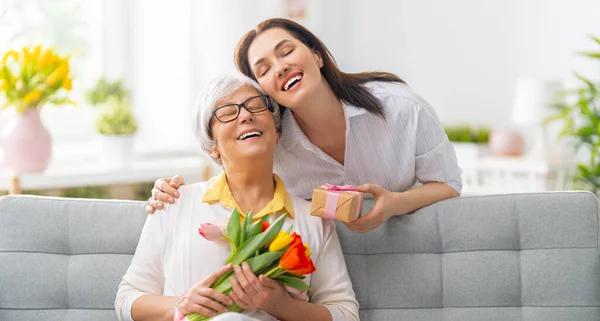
72 27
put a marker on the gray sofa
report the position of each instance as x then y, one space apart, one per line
513 257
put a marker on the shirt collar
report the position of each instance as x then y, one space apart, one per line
219 191
292 134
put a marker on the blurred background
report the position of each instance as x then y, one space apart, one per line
494 70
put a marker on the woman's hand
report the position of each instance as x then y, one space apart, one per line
257 293
164 191
386 206
204 300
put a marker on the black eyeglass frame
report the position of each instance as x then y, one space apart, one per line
243 104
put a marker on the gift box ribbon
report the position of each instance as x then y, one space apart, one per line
332 199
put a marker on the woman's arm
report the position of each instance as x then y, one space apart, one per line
200 299
297 310
330 283
388 204
435 158
144 277
154 307
139 296
427 194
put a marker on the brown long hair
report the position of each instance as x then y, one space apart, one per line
347 87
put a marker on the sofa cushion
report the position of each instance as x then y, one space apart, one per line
63 257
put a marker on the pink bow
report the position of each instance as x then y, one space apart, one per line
344 188
332 199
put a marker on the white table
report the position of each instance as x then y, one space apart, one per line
498 175
86 172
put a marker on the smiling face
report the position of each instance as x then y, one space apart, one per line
285 68
248 137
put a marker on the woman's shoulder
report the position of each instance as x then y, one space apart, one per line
300 204
188 194
302 210
395 94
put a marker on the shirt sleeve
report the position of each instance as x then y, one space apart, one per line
145 274
435 159
330 283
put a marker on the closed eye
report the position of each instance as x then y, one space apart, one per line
287 52
264 72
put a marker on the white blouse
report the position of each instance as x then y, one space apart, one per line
409 146
171 256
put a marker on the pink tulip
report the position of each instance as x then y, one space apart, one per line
213 231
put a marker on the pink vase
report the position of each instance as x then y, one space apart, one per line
27 144
506 143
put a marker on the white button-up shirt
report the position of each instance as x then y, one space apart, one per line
409 146
171 256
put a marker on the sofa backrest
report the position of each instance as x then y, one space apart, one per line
511 257
508 257
62 259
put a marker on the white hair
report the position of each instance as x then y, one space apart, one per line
217 89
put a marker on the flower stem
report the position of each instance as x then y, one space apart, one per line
273 271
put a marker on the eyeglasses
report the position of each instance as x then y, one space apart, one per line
253 105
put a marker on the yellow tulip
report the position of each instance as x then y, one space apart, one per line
10 53
32 96
282 240
26 56
57 75
67 84
3 85
47 58
36 52
308 252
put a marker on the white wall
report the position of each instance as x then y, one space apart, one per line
464 56
160 49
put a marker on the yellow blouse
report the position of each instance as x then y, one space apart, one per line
219 192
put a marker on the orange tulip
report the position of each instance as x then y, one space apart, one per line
295 260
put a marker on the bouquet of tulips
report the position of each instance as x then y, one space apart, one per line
34 76
269 251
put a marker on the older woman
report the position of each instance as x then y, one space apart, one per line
174 266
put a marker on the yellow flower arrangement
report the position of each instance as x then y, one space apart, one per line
34 76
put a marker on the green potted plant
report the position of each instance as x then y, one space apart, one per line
579 109
115 123
468 142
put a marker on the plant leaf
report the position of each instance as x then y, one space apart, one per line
590 54
254 229
233 246
293 282
248 249
247 221
233 227
257 264
585 131
584 170
592 90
